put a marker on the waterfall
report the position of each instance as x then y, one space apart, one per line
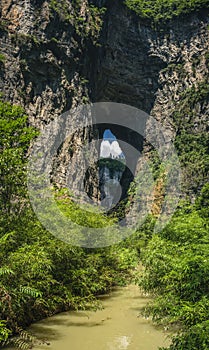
110 187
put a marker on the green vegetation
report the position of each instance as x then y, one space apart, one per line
194 156
87 19
192 147
202 203
160 11
15 137
112 164
3 25
39 274
82 217
2 58
177 274
25 39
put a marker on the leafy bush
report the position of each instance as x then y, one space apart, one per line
15 137
177 273
202 202
2 58
163 10
39 274
86 24
113 165
192 146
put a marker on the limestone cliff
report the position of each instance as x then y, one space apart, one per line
57 54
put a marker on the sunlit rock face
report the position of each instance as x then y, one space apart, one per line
50 68
152 70
42 72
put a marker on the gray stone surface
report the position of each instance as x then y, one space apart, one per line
50 68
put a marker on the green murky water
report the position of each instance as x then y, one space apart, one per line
117 327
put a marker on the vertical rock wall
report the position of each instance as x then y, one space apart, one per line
53 62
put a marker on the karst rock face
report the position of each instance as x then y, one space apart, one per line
59 54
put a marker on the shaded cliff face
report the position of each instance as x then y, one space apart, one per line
53 62
164 72
46 57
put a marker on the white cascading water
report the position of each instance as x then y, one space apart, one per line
110 187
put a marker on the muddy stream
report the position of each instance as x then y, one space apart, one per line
118 326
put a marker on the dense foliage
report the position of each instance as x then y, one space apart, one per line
113 165
15 137
192 145
86 19
39 274
177 274
163 10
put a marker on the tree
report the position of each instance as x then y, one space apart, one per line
15 138
202 202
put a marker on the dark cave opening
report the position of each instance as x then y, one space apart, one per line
130 141
127 124
122 71
131 144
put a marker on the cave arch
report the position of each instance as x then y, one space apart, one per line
125 137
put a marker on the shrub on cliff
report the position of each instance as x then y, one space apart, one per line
164 10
